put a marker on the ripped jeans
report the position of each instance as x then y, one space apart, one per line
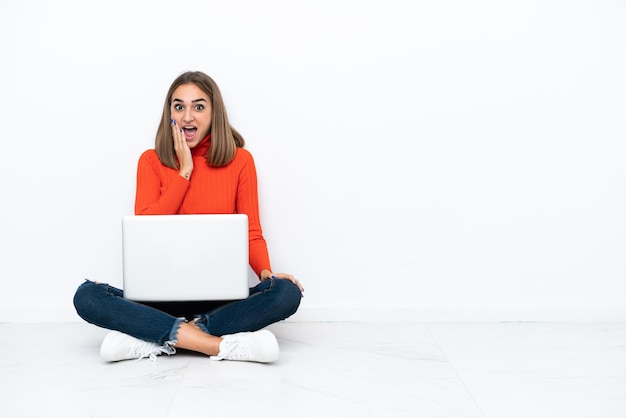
103 305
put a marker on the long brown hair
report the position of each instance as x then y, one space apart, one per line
224 138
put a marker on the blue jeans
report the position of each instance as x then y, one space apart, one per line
104 305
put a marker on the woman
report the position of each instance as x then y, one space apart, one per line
198 165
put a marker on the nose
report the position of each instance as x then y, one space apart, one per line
187 115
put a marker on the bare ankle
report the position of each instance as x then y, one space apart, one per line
191 337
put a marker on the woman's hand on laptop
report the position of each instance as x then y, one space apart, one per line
266 275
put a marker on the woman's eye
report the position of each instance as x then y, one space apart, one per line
178 107
199 107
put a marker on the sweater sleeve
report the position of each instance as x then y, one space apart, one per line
159 191
248 203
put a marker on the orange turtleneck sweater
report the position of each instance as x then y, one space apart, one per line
229 189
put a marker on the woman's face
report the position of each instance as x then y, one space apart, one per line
192 111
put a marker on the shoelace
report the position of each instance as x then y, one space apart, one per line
239 351
151 351
232 350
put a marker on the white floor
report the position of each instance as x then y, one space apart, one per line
487 370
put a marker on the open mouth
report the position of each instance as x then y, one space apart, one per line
190 132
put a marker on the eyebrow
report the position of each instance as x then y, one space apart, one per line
193 101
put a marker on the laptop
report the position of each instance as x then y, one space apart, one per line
185 257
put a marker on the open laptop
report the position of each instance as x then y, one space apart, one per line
185 257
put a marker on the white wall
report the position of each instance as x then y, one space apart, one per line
441 156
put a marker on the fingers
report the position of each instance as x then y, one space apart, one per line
284 276
183 152
177 134
289 277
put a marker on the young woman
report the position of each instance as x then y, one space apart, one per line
198 166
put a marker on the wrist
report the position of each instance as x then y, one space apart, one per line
185 173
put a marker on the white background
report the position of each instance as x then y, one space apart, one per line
440 157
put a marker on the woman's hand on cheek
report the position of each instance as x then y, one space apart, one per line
183 152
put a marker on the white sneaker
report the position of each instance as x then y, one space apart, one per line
117 346
260 346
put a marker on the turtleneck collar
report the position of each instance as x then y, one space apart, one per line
202 147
